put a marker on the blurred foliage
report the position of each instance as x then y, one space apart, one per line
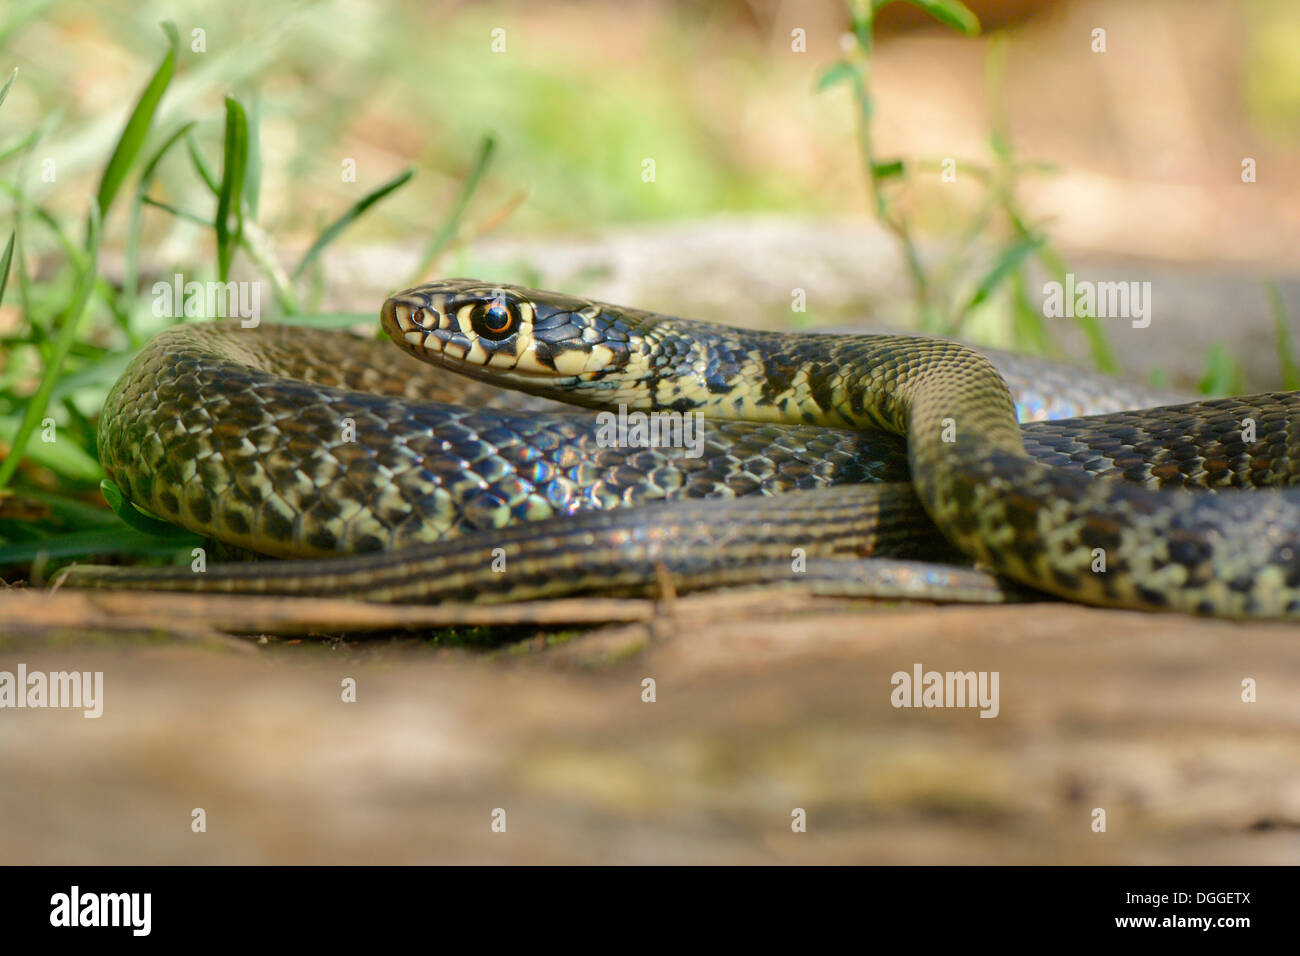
942 304
410 82
48 427
1272 67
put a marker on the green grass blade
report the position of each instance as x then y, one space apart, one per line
176 211
100 373
5 259
73 511
251 244
1285 343
451 225
151 167
46 218
230 198
118 540
201 164
889 169
66 459
257 245
24 144
131 269
48 124
838 72
952 13
137 127
4 90
1222 373
342 222
1103 356
1009 260
67 334
253 176
1028 326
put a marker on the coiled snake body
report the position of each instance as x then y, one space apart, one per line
300 443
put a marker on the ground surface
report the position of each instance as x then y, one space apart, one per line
764 703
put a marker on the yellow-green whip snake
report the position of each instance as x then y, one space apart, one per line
270 439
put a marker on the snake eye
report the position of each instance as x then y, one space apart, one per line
498 321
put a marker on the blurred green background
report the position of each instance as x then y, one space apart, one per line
585 91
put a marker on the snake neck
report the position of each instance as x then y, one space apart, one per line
1059 530
943 399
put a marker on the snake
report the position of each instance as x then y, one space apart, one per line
866 457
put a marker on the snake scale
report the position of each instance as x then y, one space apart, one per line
308 445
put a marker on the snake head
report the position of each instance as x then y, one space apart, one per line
540 342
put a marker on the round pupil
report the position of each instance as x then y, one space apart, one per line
497 318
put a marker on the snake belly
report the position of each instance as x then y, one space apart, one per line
300 443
